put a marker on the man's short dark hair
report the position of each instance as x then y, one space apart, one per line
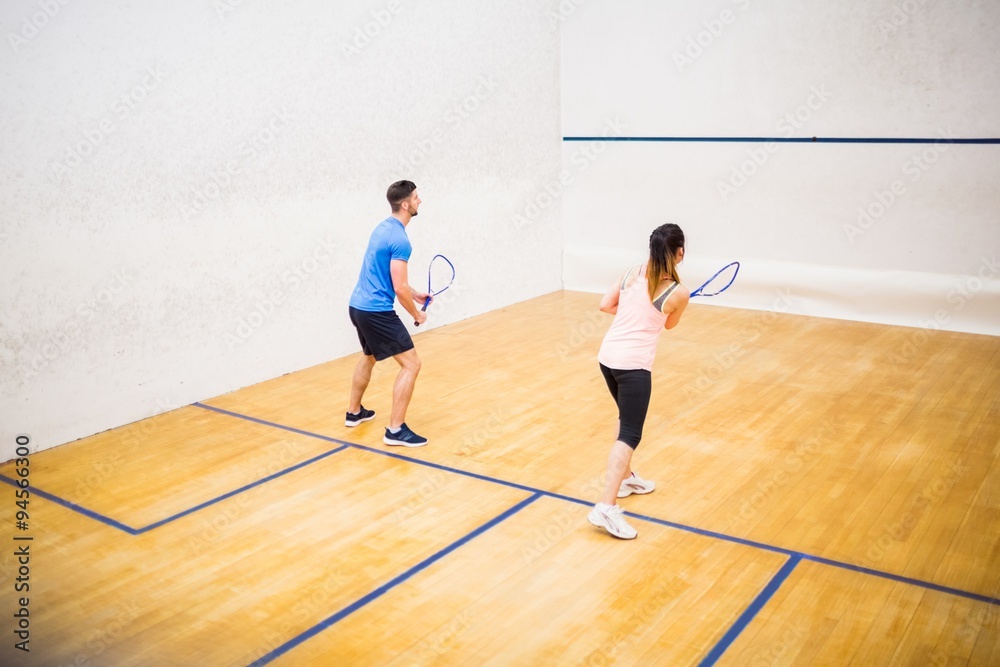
399 192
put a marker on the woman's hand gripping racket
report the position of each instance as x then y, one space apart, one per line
440 274
720 282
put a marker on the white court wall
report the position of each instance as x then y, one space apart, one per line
187 187
898 233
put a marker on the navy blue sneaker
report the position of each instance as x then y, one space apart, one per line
404 437
355 418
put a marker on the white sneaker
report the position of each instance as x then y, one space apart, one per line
609 517
635 484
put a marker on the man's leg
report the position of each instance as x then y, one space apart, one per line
409 367
359 382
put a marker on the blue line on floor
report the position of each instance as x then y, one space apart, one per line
748 615
678 526
345 444
904 580
137 531
247 487
272 424
394 455
385 588
73 506
718 536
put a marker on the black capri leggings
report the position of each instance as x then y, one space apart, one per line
631 390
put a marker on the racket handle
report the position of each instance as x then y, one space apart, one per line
422 309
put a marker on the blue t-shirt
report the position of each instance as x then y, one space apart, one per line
374 291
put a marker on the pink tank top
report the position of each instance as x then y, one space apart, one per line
630 343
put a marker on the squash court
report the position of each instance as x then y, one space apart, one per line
255 528
195 254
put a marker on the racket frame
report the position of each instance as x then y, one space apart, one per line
431 293
698 290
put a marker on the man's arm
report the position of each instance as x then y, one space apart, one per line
401 284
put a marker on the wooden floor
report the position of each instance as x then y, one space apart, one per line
828 494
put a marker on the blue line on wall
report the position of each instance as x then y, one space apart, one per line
796 140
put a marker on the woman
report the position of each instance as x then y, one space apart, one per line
646 300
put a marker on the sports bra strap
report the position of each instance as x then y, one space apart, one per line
660 300
628 274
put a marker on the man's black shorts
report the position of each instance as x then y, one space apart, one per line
382 334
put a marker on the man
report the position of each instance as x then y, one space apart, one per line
383 279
